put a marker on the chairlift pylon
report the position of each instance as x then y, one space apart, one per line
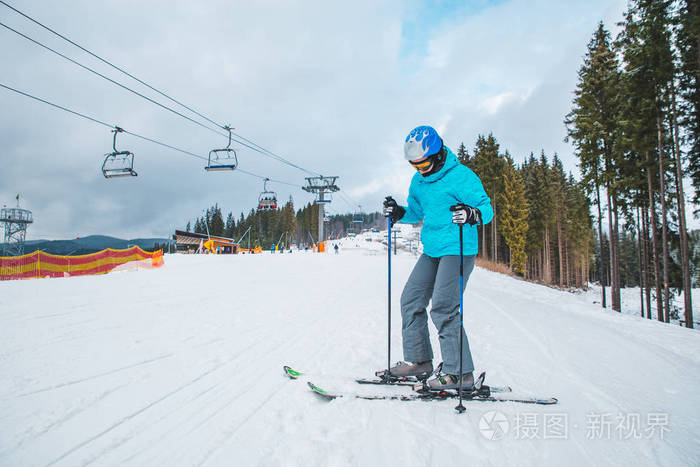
222 159
267 199
118 163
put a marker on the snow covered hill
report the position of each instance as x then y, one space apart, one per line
182 366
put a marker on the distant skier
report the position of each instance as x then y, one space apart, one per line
440 183
336 248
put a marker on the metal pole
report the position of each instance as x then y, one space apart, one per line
460 408
206 223
321 202
388 353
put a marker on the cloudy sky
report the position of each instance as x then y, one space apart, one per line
332 86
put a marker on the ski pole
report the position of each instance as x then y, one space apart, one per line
460 408
388 353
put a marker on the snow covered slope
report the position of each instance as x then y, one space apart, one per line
182 366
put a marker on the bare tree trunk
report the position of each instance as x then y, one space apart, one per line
647 273
600 240
655 249
494 231
566 264
561 254
639 264
547 258
664 227
611 248
683 232
586 271
616 263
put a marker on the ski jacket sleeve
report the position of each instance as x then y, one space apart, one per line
414 211
472 193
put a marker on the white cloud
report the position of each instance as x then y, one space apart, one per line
492 104
321 83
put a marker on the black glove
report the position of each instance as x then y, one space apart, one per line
463 214
393 210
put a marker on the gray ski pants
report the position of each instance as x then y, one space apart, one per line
436 279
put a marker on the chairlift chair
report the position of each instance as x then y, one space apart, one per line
267 199
222 159
118 163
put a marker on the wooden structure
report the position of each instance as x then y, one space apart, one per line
189 242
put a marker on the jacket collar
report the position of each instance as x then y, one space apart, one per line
450 163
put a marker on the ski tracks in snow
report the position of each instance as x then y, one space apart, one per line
189 373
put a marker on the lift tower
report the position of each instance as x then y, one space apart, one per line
321 186
15 222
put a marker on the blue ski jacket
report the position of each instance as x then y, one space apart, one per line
430 198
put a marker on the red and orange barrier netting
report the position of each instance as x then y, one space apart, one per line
40 264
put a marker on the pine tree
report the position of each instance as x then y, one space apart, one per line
580 235
230 225
559 195
463 155
488 164
592 126
645 42
688 45
513 216
288 219
216 221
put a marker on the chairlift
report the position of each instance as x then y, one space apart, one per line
118 163
327 198
222 159
357 217
267 199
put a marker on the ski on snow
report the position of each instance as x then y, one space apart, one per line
481 392
482 395
389 381
291 373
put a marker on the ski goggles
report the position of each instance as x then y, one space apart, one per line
424 164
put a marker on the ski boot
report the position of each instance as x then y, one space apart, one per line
442 381
404 371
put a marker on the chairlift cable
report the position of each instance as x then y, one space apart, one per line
270 179
110 79
347 199
278 158
100 121
257 147
136 135
165 145
273 155
57 106
107 62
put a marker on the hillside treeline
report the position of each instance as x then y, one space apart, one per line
282 226
541 227
635 127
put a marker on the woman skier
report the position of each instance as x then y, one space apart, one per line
444 194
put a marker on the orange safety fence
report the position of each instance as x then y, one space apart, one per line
40 264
